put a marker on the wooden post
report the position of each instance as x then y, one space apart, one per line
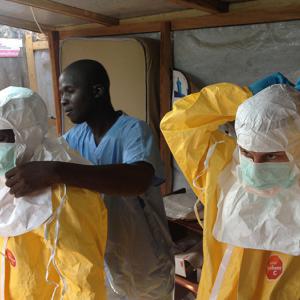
166 69
30 62
40 45
53 38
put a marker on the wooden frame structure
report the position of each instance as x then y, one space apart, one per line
210 13
30 47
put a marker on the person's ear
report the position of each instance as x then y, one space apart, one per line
98 90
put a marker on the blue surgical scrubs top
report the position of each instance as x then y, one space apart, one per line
129 140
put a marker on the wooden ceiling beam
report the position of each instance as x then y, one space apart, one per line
268 15
113 30
211 6
257 16
18 23
70 11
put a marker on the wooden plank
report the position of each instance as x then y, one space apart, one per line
166 69
211 6
40 45
113 30
30 62
259 4
266 15
274 14
53 38
166 17
185 13
69 11
19 23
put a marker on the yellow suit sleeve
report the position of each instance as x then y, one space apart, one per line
191 127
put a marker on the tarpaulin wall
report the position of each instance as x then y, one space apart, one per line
239 54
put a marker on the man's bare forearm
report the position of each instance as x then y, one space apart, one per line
117 179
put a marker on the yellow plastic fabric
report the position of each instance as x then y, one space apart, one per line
79 255
190 129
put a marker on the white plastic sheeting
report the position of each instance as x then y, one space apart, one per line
44 79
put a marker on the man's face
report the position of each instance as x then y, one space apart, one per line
7 136
262 157
76 97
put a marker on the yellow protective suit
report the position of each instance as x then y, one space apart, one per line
191 129
79 255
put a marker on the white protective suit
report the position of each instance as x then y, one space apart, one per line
266 219
52 242
26 114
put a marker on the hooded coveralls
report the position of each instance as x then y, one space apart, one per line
66 252
191 129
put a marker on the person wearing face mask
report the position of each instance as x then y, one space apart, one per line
52 241
249 185
259 205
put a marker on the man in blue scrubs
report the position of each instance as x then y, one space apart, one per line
126 169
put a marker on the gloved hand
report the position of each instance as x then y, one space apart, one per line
275 78
297 85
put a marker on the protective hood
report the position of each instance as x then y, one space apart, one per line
270 121
25 113
266 122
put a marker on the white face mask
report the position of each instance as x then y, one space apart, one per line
258 221
10 153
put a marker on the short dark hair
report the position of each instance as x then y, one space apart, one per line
94 72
